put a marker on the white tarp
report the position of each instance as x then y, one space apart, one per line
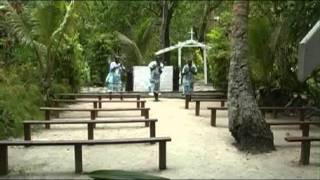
309 52
141 76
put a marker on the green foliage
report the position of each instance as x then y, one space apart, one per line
219 54
120 174
15 104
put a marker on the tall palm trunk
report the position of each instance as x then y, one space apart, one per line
167 12
246 122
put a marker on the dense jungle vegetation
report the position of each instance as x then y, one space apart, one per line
48 47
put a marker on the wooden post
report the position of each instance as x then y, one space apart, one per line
222 103
110 96
93 116
143 104
302 113
146 116
152 129
95 106
3 159
100 103
138 104
305 152
197 108
186 106
78 158
121 96
90 131
156 96
162 155
213 117
305 129
56 104
47 117
27 132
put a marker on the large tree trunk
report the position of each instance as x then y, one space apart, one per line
246 122
167 12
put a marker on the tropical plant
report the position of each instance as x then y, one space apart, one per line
43 29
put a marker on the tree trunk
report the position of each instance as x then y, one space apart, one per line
246 122
167 12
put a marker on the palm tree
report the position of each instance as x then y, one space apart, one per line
43 28
246 122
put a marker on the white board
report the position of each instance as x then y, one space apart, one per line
141 76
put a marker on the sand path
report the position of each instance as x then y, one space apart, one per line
197 150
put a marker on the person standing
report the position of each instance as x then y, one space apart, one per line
113 79
188 71
156 68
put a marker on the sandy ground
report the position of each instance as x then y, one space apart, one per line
197 150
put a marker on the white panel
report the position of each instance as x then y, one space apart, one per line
141 76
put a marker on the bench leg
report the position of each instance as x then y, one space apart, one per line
305 152
110 96
162 155
142 104
90 131
305 129
3 160
100 103
146 116
138 104
186 102
156 96
95 106
47 117
197 108
222 103
301 117
213 117
93 117
78 158
27 132
152 129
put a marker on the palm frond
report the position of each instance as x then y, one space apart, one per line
63 26
132 51
21 29
145 33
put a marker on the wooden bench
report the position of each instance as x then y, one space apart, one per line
100 96
140 103
78 148
93 112
305 147
204 95
27 125
197 109
305 125
302 111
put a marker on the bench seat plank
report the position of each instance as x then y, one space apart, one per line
94 100
90 109
83 142
66 121
292 122
305 146
300 139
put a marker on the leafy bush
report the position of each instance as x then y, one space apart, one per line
19 101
